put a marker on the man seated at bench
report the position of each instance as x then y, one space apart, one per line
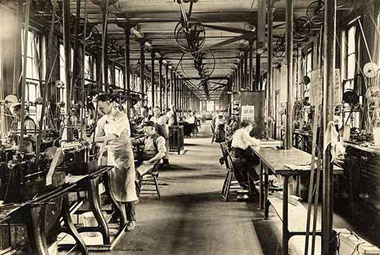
153 150
242 155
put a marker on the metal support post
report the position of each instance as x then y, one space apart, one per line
142 70
127 68
250 64
329 40
289 62
270 88
153 55
160 83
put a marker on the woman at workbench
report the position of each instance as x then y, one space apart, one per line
113 131
242 156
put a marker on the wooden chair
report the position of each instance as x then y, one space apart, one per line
213 134
151 179
230 182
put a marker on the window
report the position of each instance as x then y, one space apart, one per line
34 67
308 65
33 51
119 77
62 69
350 58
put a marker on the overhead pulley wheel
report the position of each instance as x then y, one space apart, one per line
302 28
315 12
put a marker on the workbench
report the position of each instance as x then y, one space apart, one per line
285 163
34 211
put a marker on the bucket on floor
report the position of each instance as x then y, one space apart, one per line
89 221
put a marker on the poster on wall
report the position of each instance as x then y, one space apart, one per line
248 112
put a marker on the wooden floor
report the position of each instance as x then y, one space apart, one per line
191 218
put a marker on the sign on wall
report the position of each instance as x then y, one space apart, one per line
248 112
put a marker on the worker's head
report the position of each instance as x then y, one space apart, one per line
149 128
16 110
157 111
104 104
247 124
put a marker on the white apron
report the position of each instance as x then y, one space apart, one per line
120 155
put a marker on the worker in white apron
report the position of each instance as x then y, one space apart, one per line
113 131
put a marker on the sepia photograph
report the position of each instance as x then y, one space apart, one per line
189 127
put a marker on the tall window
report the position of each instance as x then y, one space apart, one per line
309 65
33 68
119 77
350 58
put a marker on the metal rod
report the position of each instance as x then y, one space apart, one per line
153 77
329 39
289 61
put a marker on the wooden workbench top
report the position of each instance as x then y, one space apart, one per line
370 149
284 162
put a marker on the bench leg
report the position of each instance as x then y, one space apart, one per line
285 227
94 200
266 191
261 195
70 228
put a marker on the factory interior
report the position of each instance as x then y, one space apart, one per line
189 127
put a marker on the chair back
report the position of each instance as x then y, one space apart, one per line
225 153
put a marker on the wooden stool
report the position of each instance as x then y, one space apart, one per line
150 180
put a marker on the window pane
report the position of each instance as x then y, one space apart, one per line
351 63
351 46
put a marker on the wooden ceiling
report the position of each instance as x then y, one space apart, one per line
156 21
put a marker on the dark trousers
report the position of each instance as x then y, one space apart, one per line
130 211
244 161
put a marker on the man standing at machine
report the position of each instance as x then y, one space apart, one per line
113 131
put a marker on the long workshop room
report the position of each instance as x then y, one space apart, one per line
189 127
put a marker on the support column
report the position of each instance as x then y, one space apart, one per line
160 83
166 86
142 70
245 69
270 88
67 50
127 68
289 62
171 87
250 64
329 38
153 55
104 8
258 71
